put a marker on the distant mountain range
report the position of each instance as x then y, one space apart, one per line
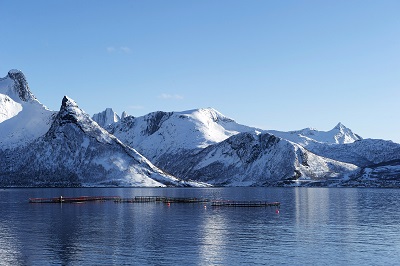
200 147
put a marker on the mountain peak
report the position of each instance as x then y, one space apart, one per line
123 115
106 117
342 134
68 102
69 111
71 116
15 72
20 86
207 114
340 126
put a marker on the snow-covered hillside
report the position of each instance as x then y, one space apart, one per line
254 159
22 117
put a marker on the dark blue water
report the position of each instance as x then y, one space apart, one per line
315 226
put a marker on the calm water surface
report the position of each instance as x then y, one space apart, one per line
315 226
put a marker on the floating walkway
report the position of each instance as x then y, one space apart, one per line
156 199
143 199
245 204
72 199
140 199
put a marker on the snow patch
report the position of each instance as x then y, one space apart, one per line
8 107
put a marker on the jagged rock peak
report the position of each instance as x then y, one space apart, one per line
71 116
21 85
68 102
69 110
123 115
106 117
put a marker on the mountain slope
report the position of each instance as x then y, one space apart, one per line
386 174
76 151
364 152
251 159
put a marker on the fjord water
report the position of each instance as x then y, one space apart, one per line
315 226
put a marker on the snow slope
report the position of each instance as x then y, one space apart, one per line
22 117
8 107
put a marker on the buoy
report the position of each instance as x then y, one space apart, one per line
169 204
205 206
277 211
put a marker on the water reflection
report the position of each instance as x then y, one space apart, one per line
9 246
212 238
311 205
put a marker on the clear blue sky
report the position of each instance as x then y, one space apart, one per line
282 65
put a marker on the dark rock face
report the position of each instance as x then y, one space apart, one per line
155 121
21 85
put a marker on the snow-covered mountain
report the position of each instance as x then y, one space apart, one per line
376 158
178 141
107 117
22 117
77 151
162 134
338 135
201 145
40 147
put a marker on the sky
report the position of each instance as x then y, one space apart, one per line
282 65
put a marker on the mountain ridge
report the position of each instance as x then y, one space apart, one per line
197 147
